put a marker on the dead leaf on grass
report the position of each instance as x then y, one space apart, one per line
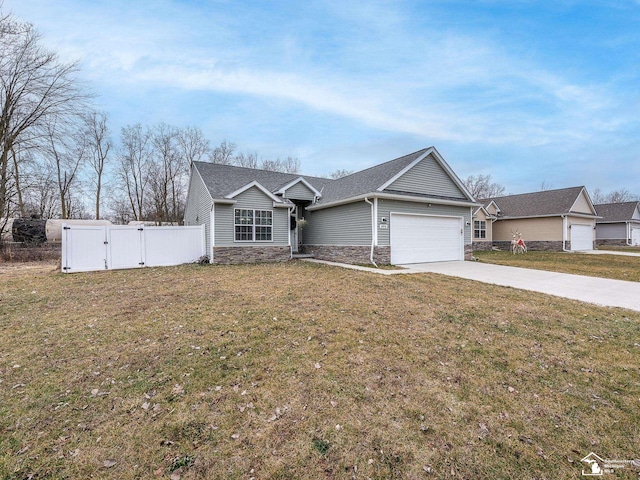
178 389
109 463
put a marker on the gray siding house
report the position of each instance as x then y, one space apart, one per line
619 225
408 210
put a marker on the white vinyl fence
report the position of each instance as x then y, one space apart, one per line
90 248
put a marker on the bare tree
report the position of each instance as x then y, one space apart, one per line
481 187
134 160
544 186
167 175
616 196
622 195
247 160
99 143
34 88
223 153
340 173
65 152
288 165
193 145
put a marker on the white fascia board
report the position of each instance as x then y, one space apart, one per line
393 196
570 214
256 184
495 205
294 182
443 163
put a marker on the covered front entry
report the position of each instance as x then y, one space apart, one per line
425 238
581 237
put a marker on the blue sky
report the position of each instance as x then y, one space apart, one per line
526 91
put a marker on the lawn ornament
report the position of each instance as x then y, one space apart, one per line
517 244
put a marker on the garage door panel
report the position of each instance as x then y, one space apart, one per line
581 237
422 238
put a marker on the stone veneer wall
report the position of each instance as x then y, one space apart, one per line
353 254
468 252
482 246
250 254
536 246
612 242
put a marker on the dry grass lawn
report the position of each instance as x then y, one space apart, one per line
617 267
296 371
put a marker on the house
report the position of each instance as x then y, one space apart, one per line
408 210
483 217
619 225
554 220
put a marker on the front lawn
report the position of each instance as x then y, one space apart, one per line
306 371
617 267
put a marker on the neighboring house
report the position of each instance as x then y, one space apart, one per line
619 225
553 220
482 235
408 210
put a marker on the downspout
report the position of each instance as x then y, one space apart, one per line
629 240
373 230
564 234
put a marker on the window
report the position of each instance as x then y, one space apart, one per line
479 229
253 225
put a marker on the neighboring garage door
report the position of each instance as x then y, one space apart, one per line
635 236
424 238
581 237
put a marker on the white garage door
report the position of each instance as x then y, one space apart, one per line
423 238
635 236
581 237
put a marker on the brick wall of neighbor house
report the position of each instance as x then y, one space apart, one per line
535 246
482 246
611 242
258 254
353 254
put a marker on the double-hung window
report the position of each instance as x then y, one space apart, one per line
253 225
479 229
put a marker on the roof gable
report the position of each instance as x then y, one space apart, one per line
583 204
542 204
427 175
299 185
251 185
377 178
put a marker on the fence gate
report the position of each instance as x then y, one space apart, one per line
91 248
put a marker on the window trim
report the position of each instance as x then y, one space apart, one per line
254 226
479 229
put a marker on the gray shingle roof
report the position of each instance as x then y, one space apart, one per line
616 212
536 204
221 180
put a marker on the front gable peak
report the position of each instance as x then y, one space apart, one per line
428 174
257 185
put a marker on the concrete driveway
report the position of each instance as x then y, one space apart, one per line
601 291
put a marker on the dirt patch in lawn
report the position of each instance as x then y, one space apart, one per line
617 267
302 370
